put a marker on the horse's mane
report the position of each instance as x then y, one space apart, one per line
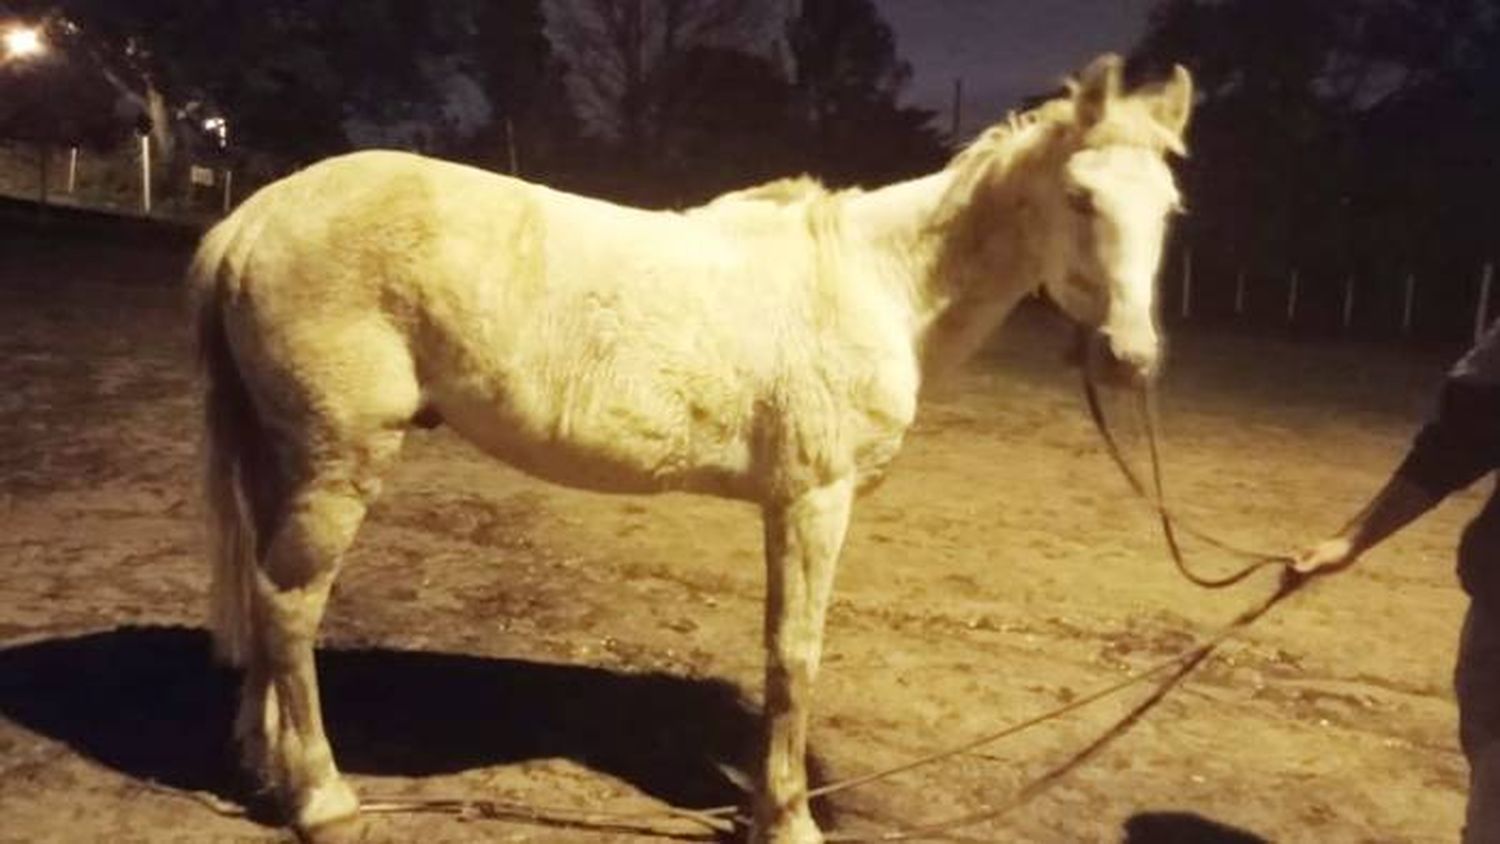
802 196
786 191
999 142
995 151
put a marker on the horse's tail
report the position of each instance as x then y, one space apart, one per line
234 449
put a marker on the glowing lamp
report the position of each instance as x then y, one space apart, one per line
23 42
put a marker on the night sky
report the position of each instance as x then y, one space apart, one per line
1003 49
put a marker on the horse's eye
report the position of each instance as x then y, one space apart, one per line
1081 200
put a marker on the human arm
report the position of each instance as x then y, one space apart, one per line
1461 443
1397 504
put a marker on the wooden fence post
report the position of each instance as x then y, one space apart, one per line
145 174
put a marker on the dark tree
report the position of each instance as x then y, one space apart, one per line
660 101
1349 136
1262 135
535 127
620 54
726 120
696 97
301 79
847 76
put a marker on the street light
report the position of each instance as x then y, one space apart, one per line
23 42
219 128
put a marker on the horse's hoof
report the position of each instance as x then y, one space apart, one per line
796 829
347 830
326 808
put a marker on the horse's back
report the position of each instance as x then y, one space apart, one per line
397 230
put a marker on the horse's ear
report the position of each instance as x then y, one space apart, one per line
1172 101
1098 86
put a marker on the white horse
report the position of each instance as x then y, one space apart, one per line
769 346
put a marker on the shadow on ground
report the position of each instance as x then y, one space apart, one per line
1183 828
147 701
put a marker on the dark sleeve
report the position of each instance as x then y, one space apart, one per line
1461 443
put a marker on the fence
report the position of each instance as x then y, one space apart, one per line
1450 302
127 179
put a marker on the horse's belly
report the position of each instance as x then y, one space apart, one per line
604 448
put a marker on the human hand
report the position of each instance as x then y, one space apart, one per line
1326 557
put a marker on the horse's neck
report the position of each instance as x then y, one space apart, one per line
956 293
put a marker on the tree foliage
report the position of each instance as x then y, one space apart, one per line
658 101
848 76
1356 133
304 78
695 97
623 55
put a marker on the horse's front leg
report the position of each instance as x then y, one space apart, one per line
803 538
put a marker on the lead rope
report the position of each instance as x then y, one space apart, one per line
1170 523
665 822
1182 665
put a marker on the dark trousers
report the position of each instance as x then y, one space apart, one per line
1477 682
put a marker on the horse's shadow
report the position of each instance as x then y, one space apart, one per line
1183 828
147 702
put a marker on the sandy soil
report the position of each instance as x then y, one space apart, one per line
497 637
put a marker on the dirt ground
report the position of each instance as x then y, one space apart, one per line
496 637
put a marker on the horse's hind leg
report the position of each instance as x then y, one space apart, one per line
280 714
332 427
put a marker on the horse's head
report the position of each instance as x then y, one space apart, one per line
1099 198
1073 196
